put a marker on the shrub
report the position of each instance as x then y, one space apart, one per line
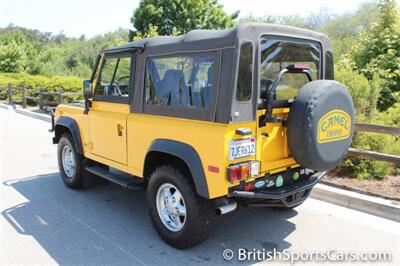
365 95
362 168
69 84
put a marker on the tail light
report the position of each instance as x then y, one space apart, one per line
234 173
245 171
242 171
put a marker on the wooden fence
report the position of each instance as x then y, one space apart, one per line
40 97
372 154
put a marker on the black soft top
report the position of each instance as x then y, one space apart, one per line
197 40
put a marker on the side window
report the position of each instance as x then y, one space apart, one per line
329 68
114 78
180 81
245 73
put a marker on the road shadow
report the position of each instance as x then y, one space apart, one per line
110 225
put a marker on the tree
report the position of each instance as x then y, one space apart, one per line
365 92
152 32
289 20
11 58
378 53
13 52
169 17
344 29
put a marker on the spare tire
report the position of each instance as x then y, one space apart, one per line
320 125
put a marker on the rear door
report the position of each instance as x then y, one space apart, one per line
276 54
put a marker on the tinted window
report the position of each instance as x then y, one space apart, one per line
329 68
277 55
114 77
180 81
244 80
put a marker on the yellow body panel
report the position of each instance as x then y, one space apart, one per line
108 138
99 132
272 146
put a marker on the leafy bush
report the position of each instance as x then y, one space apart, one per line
52 84
362 168
365 95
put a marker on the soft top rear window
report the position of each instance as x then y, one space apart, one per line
277 54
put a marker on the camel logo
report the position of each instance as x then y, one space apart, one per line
333 126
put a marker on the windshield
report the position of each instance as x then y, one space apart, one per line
278 54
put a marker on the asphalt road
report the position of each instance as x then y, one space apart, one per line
43 222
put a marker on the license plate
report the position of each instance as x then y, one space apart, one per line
242 148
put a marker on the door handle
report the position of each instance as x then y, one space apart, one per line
119 129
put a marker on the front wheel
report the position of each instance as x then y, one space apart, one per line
69 162
181 217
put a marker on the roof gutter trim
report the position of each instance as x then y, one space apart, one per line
139 49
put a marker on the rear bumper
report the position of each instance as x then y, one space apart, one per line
288 196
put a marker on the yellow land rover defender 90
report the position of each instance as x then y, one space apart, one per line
208 122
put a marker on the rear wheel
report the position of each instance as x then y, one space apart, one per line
70 162
181 217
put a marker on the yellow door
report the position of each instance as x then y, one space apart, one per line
110 108
108 130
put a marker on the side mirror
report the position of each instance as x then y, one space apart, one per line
87 89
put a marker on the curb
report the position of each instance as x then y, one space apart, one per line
42 117
21 111
384 208
6 106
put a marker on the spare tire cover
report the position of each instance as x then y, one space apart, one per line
320 125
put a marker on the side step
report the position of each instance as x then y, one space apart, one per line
122 180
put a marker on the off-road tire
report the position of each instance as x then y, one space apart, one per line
199 211
76 180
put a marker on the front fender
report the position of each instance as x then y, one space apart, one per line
63 123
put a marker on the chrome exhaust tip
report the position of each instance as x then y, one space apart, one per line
221 210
